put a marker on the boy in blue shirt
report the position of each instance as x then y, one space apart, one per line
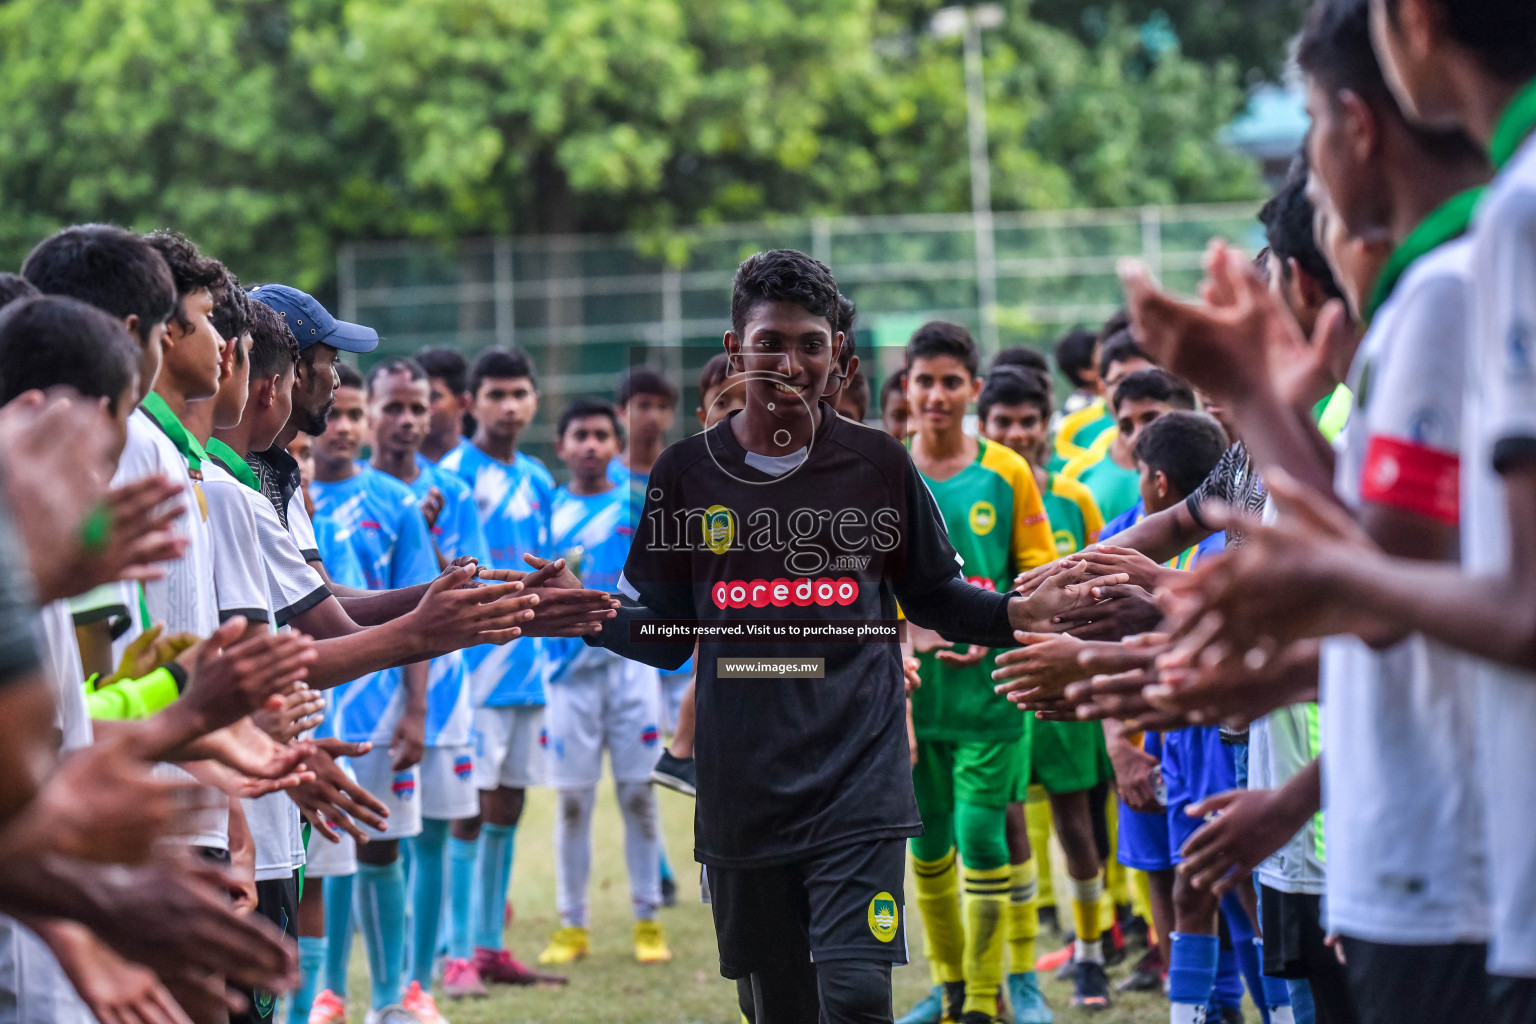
513 493
598 699
379 519
399 415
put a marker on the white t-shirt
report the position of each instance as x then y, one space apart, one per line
184 599
1501 426
240 580
1280 745
1406 860
61 660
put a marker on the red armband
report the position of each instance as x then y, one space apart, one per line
1412 477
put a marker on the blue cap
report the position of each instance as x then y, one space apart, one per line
312 323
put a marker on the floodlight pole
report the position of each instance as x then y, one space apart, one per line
968 22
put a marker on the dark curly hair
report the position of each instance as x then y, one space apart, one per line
783 275
190 269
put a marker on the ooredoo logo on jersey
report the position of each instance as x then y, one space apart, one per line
824 592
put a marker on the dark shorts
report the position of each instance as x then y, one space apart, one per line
1512 1000
1295 948
1418 984
840 904
277 900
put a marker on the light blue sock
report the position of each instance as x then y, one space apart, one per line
496 842
381 918
427 856
1250 957
338 931
461 891
311 963
666 868
1302 1007
1191 973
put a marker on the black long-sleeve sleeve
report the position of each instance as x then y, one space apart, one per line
616 637
960 612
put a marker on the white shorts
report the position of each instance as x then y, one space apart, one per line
674 685
325 859
400 792
509 747
448 791
602 701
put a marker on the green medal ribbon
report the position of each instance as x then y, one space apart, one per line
1514 127
230 459
155 408
1447 222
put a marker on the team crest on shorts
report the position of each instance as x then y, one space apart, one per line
650 735
463 765
883 916
404 786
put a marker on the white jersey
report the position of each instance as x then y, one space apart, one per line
61 660
240 580
1406 860
1279 745
1501 427
184 598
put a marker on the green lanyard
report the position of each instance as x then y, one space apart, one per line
1514 127
155 408
1445 223
230 459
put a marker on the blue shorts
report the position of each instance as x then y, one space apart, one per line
1196 765
1143 843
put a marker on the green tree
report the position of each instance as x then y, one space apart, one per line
272 130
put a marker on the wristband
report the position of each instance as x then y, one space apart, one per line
178 676
96 529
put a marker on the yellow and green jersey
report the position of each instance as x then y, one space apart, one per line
998 525
1074 514
1115 489
1079 431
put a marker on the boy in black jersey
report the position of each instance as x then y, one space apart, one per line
786 517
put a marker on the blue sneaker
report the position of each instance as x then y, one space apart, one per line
929 1009
1026 999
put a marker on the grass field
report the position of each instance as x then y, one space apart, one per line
609 986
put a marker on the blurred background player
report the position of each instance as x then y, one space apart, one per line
647 404
895 414
598 700
446 373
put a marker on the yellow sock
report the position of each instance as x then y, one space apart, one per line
1141 900
1106 908
1037 815
1086 895
1023 915
1115 874
938 900
986 904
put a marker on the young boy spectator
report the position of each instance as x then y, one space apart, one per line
446 372
647 404
895 414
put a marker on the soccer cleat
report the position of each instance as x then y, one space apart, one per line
1051 961
394 1014
1026 999
668 892
650 943
1146 976
500 967
1090 989
676 773
929 1009
460 979
567 945
421 1004
328 1008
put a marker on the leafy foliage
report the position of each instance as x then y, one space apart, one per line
271 130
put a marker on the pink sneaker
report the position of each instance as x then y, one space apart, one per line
500 967
328 1009
420 1003
460 979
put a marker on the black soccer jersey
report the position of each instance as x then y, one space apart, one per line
791 766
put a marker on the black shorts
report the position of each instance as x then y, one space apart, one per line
1417 984
1512 1000
841 904
1295 948
277 900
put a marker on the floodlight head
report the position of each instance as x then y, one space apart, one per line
950 21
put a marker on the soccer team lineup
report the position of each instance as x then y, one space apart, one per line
1180 666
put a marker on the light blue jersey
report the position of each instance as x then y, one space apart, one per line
342 567
592 533
450 710
633 484
378 518
514 500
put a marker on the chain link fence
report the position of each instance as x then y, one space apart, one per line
586 306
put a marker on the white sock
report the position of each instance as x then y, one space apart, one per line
1186 1013
573 853
1088 952
1281 1015
642 849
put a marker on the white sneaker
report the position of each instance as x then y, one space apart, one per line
395 1014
